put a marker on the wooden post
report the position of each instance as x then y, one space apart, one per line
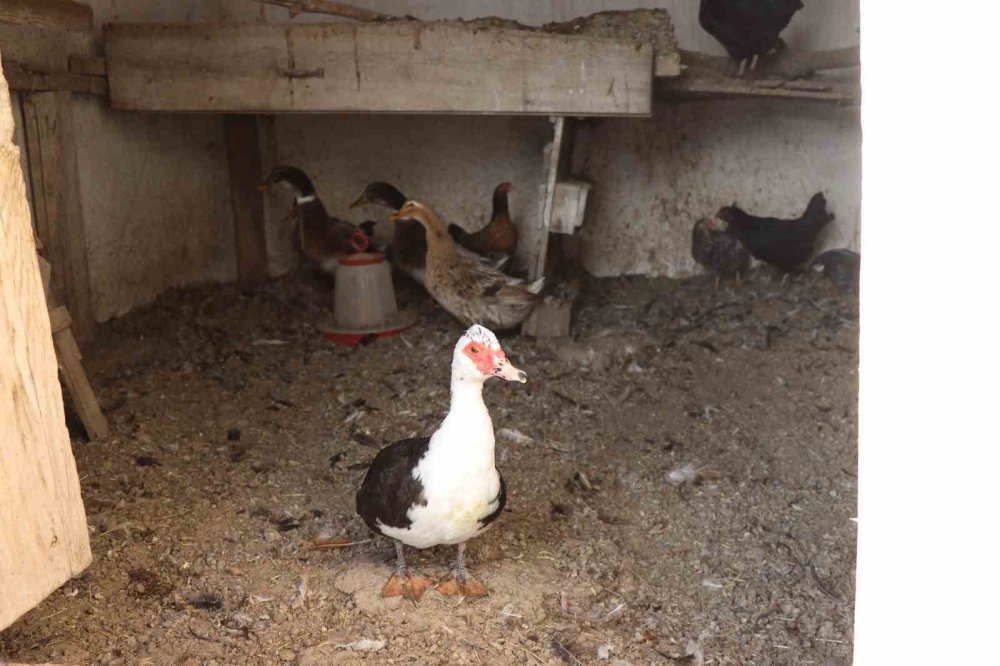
43 529
537 269
56 187
245 175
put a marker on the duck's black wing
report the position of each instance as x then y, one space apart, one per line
501 501
389 489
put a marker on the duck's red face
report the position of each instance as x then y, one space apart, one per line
492 362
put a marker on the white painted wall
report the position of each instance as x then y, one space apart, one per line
653 177
155 187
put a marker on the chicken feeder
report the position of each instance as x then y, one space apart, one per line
364 308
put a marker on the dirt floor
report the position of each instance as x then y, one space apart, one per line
682 479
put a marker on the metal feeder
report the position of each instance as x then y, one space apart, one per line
364 308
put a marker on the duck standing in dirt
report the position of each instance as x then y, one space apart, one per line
444 489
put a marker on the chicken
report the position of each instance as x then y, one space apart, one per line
842 267
499 236
471 291
443 489
786 244
721 252
408 251
321 239
747 29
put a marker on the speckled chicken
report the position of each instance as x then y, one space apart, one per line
785 244
471 291
842 267
720 252
747 29
320 238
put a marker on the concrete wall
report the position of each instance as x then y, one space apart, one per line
653 178
155 187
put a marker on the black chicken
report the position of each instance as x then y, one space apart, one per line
718 251
747 28
842 267
786 244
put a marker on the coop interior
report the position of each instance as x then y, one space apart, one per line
266 241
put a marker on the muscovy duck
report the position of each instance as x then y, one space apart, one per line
443 489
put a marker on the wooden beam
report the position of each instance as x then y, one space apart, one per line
716 86
23 78
243 146
52 14
537 269
58 210
401 66
339 9
77 384
787 64
43 530
88 65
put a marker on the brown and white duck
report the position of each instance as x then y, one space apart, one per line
471 291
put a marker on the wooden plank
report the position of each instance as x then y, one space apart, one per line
245 175
59 213
407 67
552 173
88 65
60 319
43 530
78 385
51 14
21 77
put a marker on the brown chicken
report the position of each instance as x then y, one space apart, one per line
499 236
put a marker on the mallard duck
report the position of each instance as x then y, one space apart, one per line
471 291
408 251
499 236
321 239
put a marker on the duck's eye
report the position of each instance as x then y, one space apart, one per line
474 349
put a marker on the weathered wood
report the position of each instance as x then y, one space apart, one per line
401 66
58 210
537 268
23 78
73 374
60 319
717 86
43 530
787 64
245 175
88 65
53 14
341 9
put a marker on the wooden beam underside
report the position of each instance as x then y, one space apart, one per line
402 67
50 14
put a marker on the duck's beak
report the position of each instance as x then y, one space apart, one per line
263 187
506 370
395 217
360 201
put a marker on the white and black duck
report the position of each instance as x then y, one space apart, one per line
444 489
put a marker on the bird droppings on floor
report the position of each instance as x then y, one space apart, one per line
681 479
